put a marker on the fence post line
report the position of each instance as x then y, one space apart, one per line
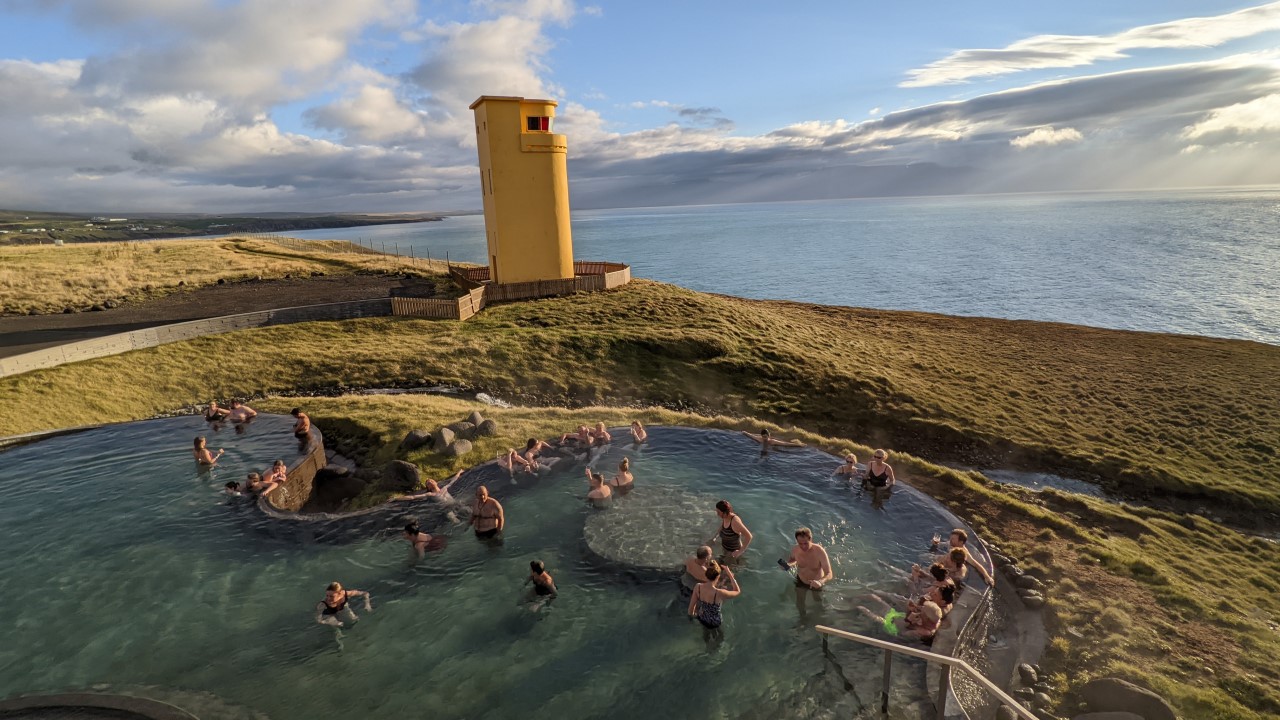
412 260
884 687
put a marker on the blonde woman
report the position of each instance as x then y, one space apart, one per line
638 433
336 603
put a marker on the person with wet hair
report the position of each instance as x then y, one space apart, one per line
543 583
810 560
600 492
767 441
255 483
432 490
624 480
580 437
233 489
302 426
203 457
336 605
920 623
215 413
241 413
732 532
418 540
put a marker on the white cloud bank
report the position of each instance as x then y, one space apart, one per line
1066 51
1048 136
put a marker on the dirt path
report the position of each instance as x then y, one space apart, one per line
19 334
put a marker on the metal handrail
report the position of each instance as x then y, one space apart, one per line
948 664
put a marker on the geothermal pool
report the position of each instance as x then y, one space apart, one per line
126 567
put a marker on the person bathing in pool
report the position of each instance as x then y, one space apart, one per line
203 457
695 569
302 426
432 490
215 413
486 515
543 583
599 492
810 560
707 597
581 437
638 433
733 533
336 604
766 441
418 540
957 541
241 413
624 480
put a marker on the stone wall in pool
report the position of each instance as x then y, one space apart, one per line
296 490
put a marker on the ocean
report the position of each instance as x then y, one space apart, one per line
1198 262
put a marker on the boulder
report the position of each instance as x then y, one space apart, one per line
330 490
1026 695
1000 560
1044 714
1108 716
442 437
463 429
1043 687
415 439
1013 571
1034 602
487 428
1028 675
1029 582
1116 695
1006 713
458 448
475 418
336 470
1042 701
400 476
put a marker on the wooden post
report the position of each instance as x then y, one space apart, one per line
412 260
884 688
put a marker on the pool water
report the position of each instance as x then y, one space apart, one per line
124 565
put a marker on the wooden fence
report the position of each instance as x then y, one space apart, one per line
457 309
588 277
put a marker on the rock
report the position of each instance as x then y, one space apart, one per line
442 437
475 418
111 304
400 476
317 273
337 470
1012 571
1116 695
329 490
1006 713
222 281
416 439
97 308
1042 686
1029 582
1000 560
1044 714
1108 716
1042 700
1028 675
1034 602
1024 694
488 428
457 448
463 429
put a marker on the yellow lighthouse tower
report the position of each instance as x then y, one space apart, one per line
525 183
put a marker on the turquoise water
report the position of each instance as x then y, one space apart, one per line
125 566
1194 262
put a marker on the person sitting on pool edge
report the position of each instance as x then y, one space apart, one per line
581 437
766 441
202 455
624 480
241 413
336 602
301 428
600 493
487 516
256 484
957 541
600 435
638 433
813 566
920 623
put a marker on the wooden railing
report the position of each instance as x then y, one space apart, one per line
947 662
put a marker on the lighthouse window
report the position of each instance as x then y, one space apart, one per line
539 123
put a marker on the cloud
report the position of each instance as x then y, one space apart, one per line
1046 136
1257 116
371 114
1064 51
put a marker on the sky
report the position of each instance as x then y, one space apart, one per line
362 105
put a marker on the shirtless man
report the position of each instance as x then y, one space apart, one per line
301 428
582 437
813 567
241 412
486 515
956 541
695 568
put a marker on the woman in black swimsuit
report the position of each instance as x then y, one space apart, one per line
336 602
880 479
733 533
